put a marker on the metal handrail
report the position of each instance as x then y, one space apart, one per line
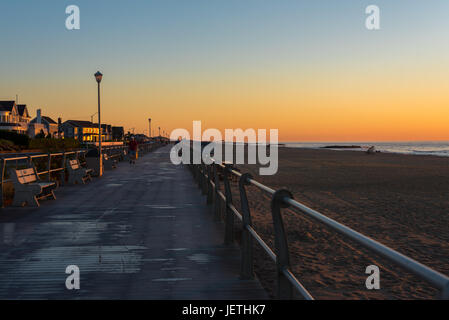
205 179
435 278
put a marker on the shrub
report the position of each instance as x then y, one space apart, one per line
18 139
6 142
6 145
50 144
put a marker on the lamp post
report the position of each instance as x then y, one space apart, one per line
99 77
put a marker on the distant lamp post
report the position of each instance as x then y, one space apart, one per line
99 77
92 117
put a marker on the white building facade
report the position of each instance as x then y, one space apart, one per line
14 117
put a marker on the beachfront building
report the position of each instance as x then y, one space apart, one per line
118 133
106 130
24 116
42 124
83 131
14 117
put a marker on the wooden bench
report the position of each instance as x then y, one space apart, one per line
28 188
108 162
94 163
78 174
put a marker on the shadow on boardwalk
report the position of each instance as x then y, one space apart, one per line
140 232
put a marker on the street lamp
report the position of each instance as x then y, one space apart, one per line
99 77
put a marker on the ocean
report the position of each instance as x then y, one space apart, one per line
435 148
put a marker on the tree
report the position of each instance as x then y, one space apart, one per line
40 135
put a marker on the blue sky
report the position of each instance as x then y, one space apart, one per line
175 34
146 45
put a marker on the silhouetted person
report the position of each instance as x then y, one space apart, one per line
132 150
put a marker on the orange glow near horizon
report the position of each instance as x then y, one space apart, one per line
384 99
313 111
358 107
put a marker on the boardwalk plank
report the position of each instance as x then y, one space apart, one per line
140 232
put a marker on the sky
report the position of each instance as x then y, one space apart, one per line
308 68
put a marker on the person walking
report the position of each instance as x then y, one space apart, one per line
132 150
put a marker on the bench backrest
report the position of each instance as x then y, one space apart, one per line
74 164
26 176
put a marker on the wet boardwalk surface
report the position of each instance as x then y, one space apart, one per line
139 232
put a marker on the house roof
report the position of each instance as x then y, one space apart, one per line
82 123
7 105
21 109
44 119
48 119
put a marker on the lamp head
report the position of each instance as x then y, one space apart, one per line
98 76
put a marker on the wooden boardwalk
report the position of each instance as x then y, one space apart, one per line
139 232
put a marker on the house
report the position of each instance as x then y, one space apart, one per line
118 133
46 124
83 131
14 117
106 130
23 113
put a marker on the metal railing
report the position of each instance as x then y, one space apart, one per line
55 162
287 283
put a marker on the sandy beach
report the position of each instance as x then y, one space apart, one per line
400 200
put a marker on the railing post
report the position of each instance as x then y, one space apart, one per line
284 290
196 173
64 159
209 185
246 270
49 167
2 205
217 198
229 215
445 292
203 179
192 168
